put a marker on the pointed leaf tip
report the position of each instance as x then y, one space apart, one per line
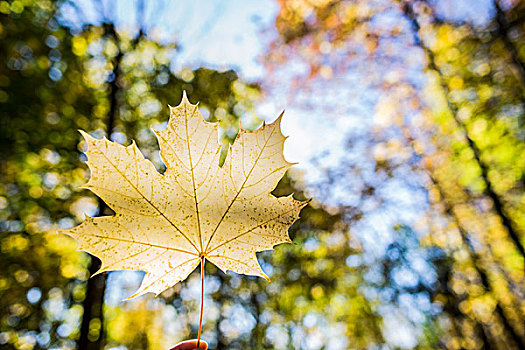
185 98
84 134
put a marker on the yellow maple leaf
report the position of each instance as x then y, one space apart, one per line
165 223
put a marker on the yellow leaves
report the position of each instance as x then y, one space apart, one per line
14 242
447 37
456 83
79 45
4 8
165 223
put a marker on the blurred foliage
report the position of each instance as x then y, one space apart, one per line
448 101
456 131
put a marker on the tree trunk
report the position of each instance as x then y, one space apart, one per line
507 223
477 265
503 30
93 316
91 329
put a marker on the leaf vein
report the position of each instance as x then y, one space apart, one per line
240 190
147 200
141 243
193 176
167 273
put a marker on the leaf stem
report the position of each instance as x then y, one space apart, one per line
202 301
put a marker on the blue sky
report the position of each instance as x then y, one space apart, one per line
218 34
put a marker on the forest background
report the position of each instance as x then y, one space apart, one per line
406 118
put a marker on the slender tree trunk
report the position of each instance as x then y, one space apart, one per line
91 329
503 32
257 336
477 264
221 344
93 316
451 307
480 329
503 29
114 87
489 191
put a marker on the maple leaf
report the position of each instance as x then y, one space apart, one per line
165 223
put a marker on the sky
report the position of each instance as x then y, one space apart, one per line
217 34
